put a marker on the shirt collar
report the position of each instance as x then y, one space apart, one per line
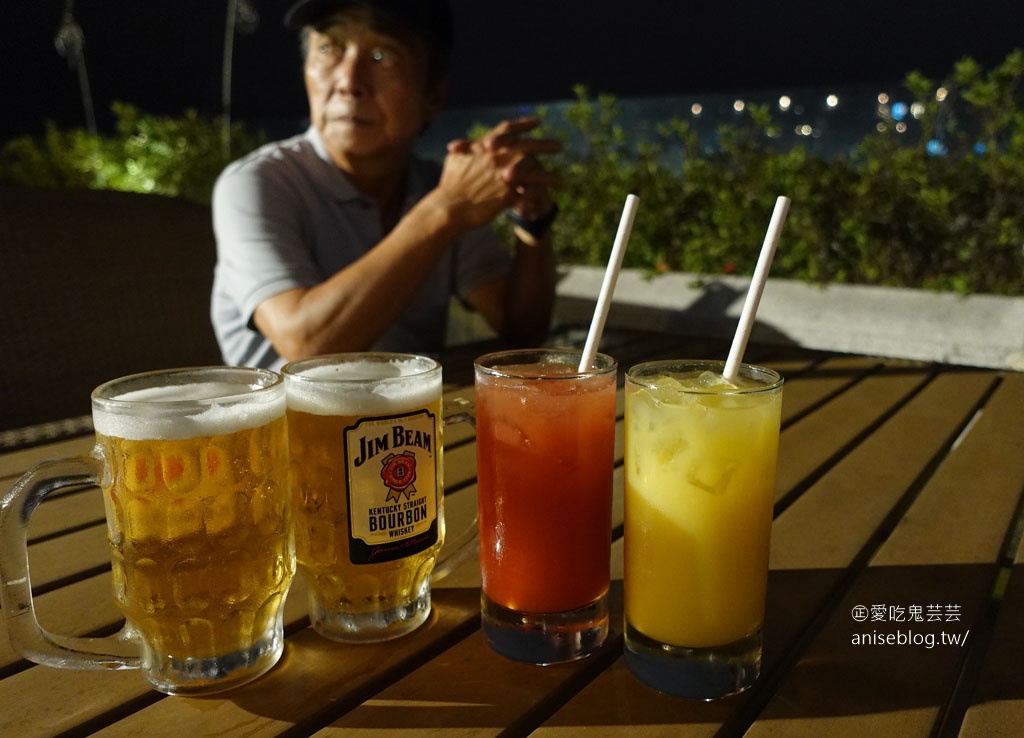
334 178
417 181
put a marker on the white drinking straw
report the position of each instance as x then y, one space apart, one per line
611 274
764 263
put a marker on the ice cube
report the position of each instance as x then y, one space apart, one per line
509 434
668 383
668 390
667 447
714 381
712 473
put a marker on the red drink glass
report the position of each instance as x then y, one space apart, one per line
545 454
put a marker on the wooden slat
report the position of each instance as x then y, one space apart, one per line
862 438
481 693
77 609
459 466
65 512
811 442
316 680
13 465
806 387
52 701
66 557
617 705
67 698
460 511
997 705
997 709
468 645
942 558
87 607
962 514
827 529
813 542
458 400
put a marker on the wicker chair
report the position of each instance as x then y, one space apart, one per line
95 285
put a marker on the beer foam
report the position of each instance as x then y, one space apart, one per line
163 412
362 388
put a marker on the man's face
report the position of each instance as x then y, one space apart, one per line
368 92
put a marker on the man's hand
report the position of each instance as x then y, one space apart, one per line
501 169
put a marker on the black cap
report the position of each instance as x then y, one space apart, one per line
431 19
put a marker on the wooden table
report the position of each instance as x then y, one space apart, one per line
898 513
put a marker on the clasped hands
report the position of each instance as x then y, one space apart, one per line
500 170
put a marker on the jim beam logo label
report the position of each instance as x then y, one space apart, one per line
392 486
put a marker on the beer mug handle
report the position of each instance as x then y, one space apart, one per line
34 642
462 547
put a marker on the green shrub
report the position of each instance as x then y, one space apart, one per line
889 214
167 156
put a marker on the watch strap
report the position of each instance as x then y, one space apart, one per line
538 226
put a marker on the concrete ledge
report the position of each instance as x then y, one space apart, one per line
974 330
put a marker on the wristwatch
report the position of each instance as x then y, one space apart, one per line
538 226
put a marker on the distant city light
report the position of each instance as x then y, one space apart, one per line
800 120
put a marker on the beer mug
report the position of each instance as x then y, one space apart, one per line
193 469
366 473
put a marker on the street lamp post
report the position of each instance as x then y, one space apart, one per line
70 43
243 18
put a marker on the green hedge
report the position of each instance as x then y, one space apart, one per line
150 154
890 213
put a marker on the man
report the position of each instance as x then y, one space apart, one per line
340 239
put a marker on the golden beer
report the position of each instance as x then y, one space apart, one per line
366 476
199 521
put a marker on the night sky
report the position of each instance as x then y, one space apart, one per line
167 56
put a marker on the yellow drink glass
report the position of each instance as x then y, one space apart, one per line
700 463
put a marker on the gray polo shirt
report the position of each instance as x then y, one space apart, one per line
285 216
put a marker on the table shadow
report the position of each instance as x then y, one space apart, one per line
826 655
